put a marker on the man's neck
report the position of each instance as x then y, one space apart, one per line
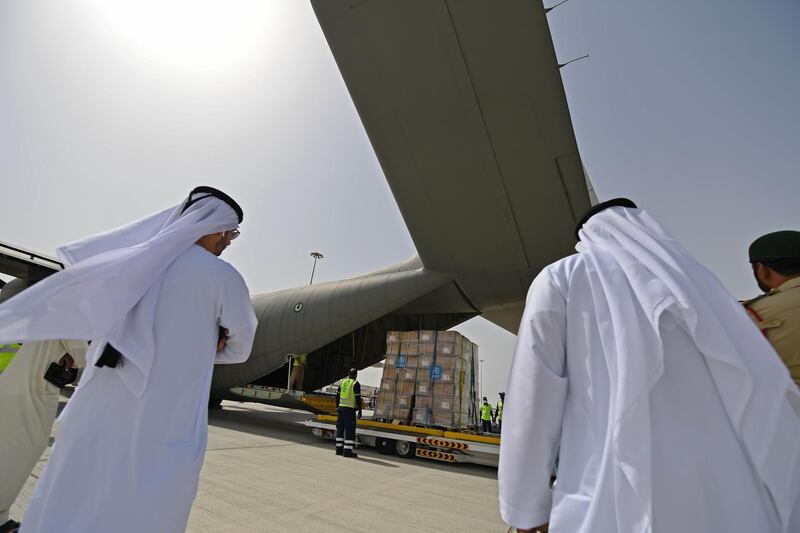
788 281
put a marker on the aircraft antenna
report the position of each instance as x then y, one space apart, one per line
561 65
549 9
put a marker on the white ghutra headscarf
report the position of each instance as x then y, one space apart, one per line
109 290
628 253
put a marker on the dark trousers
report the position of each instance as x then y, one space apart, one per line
487 426
345 430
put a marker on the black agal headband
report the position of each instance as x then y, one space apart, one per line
616 202
216 193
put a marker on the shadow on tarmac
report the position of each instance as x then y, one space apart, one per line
284 424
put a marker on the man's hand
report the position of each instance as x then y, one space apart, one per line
223 339
359 413
67 361
538 529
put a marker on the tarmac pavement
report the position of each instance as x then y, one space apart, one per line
265 472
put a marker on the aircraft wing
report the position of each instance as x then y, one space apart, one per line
22 263
464 105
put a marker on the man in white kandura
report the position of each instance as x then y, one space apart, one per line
161 309
670 409
29 393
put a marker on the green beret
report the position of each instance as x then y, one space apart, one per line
775 246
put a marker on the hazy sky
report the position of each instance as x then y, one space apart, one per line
113 110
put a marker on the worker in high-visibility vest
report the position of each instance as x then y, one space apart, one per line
299 361
7 353
349 402
486 416
498 412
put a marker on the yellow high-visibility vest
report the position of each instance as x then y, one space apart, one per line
7 353
347 393
486 411
299 359
499 410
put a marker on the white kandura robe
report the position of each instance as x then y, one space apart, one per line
28 407
140 457
561 393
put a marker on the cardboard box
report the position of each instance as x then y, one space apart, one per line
409 361
427 349
427 336
425 361
448 348
421 417
407 374
388 384
403 415
423 386
446 336
444 389
392 348
383 411
391 360
405 388
409 336
409 348
449 362
447 419
404 401
445 403
384 397
390 372
422 401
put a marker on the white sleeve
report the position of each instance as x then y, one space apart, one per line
238 318
77 349
534 407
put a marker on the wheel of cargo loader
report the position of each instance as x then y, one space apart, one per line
403 448
385 446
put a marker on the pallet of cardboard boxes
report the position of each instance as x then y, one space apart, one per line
430 378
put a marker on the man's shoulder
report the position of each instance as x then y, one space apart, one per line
201 258
560 272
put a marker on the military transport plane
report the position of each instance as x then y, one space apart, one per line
464 105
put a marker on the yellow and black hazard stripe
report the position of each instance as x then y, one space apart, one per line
443 443
439 456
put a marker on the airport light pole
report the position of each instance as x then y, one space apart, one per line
316 256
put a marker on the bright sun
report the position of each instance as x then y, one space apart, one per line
203 36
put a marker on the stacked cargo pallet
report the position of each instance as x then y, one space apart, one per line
429 379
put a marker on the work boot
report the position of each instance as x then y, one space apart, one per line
339 451
350 454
